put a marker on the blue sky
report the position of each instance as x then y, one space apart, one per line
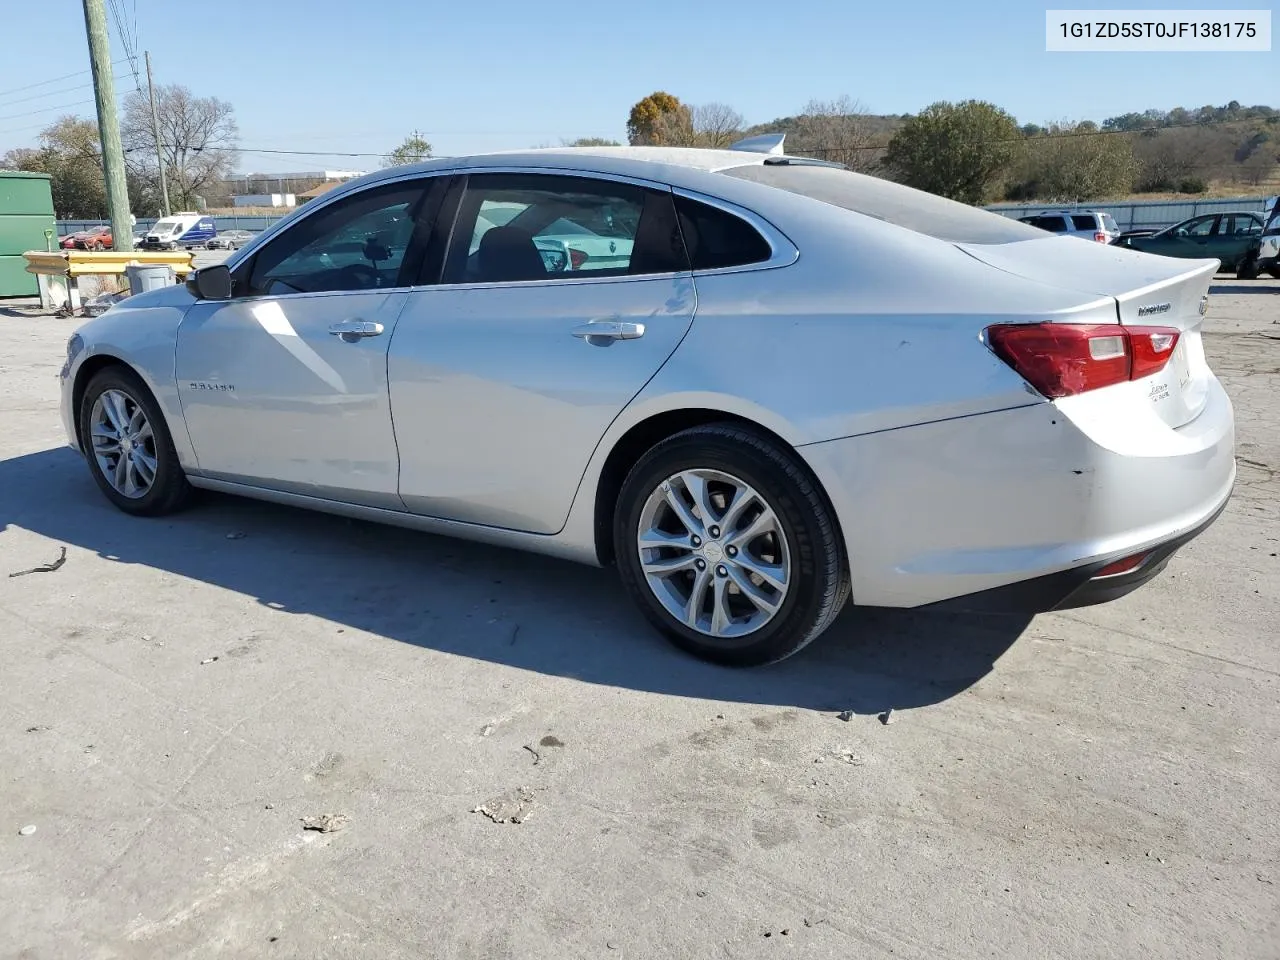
320 75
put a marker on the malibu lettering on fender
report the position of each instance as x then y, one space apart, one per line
1151 309
219 387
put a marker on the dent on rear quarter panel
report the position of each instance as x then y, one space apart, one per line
142 332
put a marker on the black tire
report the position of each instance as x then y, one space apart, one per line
1247 269
819 578
170 490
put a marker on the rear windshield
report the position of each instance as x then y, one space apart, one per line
1109 222
894 203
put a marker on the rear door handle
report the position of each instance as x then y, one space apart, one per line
352 330
609 330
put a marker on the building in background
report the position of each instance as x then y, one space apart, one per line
318 190
295 182
264 200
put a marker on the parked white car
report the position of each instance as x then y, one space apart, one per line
1085 224
785 386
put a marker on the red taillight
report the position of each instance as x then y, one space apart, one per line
1064 359
1126 565
1151 348
576 258
1100 236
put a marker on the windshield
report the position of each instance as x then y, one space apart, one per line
894 203
167 225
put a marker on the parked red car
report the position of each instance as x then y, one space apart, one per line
95 238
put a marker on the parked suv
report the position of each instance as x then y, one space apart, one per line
1086 224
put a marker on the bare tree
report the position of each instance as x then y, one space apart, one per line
835 130
198 136
1260 166
716 125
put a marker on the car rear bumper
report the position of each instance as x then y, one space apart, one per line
1078 587
1021 507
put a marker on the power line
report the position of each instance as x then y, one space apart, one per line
51 93
42 83
31 113
130 50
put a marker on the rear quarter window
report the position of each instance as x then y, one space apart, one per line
716 238
903 206
1084 222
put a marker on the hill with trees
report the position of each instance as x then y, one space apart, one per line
976 152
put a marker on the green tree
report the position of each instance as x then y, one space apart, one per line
956 150
653 115
415 147
70 152
1074 162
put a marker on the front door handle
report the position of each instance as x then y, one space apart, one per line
349 331
609 330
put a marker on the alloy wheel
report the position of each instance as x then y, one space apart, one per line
714 553
124 446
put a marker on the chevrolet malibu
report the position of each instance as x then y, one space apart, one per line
760 386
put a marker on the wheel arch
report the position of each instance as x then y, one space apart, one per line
643 435
88 369
91 366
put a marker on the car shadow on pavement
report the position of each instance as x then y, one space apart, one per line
489 603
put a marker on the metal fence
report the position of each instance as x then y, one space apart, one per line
1143 214
228 222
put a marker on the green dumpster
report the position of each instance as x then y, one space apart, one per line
26 212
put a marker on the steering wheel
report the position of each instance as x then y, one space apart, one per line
359 276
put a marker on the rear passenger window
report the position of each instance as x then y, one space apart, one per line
1084 222
1050 223
527 227
716 238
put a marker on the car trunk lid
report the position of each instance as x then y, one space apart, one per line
1149 292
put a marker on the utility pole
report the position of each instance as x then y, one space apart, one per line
104 92
155 129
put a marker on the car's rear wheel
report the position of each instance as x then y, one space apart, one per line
128 445
729 547
98 246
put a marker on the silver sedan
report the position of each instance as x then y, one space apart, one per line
757 384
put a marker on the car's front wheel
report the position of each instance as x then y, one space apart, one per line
729 547
128 445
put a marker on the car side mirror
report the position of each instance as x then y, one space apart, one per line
211 283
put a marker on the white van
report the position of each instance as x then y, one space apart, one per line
180 230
